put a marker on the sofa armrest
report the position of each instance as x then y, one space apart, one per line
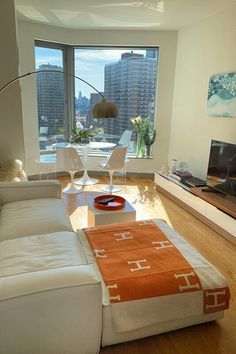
57 310
15 191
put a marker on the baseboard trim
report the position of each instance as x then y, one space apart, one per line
53 175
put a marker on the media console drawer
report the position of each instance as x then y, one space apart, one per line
217 219
221 219
185 196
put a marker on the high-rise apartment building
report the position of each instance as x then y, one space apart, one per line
131 84
151 53
50 94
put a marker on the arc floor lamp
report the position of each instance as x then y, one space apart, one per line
102 109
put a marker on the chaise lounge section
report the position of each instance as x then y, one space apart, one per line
153 280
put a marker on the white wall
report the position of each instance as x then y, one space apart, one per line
167 40
11 132
203 50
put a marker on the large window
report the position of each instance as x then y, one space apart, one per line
127 76
50 96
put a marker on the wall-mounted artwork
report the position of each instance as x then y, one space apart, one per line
222 95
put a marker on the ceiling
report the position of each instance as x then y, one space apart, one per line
119 14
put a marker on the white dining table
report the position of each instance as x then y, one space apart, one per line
85 180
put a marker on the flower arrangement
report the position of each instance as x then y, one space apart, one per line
81 135
149 136
139 125
146 135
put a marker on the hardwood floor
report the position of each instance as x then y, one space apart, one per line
211 338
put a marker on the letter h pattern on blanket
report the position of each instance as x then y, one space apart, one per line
137 261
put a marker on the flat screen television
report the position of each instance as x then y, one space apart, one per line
221 173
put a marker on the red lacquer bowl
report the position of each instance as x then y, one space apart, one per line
117 199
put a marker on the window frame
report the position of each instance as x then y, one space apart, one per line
67 55
69 66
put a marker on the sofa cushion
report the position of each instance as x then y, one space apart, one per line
40 253
33 217
50 298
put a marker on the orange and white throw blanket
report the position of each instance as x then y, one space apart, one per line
147 259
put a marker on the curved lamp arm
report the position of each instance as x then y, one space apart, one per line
102 109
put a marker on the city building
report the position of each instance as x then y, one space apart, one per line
131 84
50 97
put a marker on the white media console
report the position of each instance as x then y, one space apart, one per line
211 215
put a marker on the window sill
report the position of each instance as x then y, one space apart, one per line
50 156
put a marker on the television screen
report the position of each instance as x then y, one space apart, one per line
221 174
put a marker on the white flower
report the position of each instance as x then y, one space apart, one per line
79 126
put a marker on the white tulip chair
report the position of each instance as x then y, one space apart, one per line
69 160
116 162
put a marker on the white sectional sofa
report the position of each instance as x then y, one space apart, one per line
50 297
51 288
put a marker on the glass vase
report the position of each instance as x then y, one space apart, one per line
148 151
140 152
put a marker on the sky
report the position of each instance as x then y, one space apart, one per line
89 64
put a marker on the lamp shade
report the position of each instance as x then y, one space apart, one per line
104 109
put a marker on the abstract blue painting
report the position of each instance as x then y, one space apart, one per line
222 95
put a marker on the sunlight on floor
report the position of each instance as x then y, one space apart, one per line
143 197
147 203
79 218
